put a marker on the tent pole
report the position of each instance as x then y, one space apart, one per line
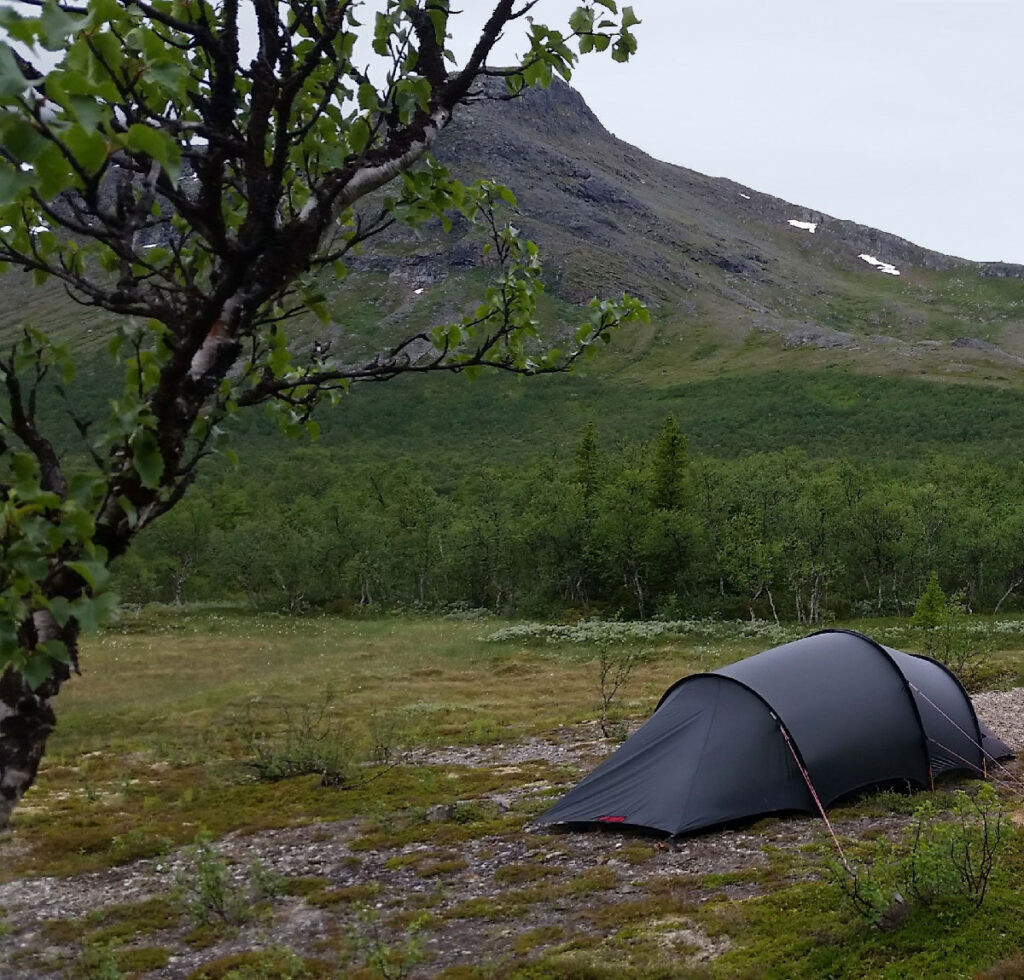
814 795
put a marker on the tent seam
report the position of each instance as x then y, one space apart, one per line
906 687
703 746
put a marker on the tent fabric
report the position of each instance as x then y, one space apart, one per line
858 715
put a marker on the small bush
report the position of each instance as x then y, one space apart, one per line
99 962
944 633
303 740
392 958
614 669
941 860
209 895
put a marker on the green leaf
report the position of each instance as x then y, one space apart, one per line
13 183
149 463
439 18
358 136
56 650
36 670
56 24
12 82
368 98
581 20
53 172
156 144
88 148
94 573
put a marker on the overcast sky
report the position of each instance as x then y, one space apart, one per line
907 115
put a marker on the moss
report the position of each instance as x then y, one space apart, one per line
636 853
515 902
744 876
122 923
301 887
441 867
518 874
584 965
76 835
478 908
593 880
398 861
142 959
64 930
616 914
208 934
276 963
343 896
376 838
401 921
533 939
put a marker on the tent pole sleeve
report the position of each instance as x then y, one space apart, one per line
878 648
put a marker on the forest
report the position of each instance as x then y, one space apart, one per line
637 530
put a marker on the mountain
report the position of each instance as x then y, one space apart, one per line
772 324
722 263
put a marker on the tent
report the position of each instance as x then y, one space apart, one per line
796 727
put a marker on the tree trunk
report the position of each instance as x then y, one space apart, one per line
1013 585
26 718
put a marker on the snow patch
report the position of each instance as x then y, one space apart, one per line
887 267
418 291
746 197
804 225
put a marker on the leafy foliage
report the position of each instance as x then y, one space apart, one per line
160 176
941 622
944 860
825 540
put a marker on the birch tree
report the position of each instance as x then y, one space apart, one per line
191 182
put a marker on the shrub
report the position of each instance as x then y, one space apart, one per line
614 669
302 740
942 860
209 894
945 634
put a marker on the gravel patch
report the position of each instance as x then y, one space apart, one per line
1003 712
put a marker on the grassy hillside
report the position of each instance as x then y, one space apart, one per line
762 336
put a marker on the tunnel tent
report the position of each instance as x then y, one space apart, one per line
731 744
